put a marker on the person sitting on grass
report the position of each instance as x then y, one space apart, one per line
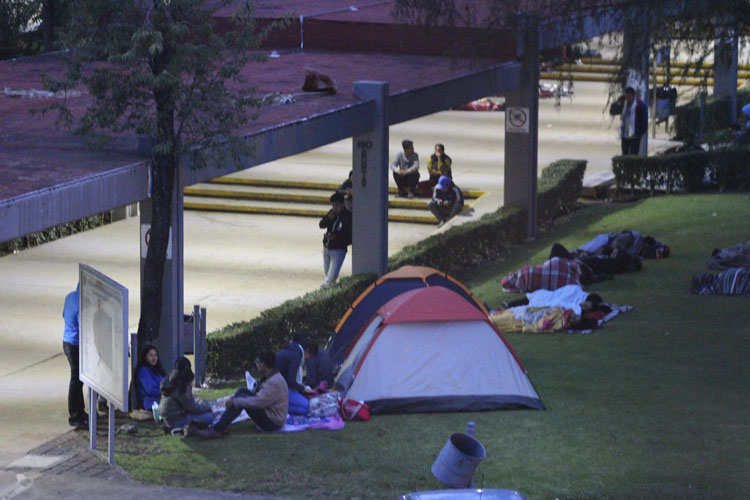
178 407
318 367
148 377
447 200
267 407
289 362
405 169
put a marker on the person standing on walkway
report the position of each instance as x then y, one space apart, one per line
338 225
77 416
405 169
633 123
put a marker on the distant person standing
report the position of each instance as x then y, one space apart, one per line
633 122
439 164
338 225
77 416
405 169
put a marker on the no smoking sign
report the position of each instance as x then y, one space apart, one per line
517 120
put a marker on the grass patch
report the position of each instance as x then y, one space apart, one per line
654 405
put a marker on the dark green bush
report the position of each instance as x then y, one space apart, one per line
715 116
231 349
559 188
726 169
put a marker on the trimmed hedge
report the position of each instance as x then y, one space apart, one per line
231 349
715 116
726 169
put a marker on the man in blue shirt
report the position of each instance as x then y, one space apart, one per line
77 416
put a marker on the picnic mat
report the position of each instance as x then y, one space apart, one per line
294 423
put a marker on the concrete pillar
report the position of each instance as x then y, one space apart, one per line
169 341
521 130
635 48
370 185
725 66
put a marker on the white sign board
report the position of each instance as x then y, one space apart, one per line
103 362
146 238
517 120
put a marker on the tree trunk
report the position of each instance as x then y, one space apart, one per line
163 183
48 21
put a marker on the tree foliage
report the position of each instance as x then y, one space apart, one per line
17 18
164 70
689 26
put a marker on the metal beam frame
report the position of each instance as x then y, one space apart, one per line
121 186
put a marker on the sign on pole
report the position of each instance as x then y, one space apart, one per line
146 239
104 336
517 120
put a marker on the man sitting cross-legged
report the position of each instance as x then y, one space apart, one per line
267 407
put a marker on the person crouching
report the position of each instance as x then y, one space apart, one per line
447 200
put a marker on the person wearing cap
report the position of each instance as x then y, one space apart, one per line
338 225
447 200
405 169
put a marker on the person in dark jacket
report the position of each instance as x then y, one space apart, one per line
318 367
289 365
447 200
148 377
346 189
178 407
338 225
633 122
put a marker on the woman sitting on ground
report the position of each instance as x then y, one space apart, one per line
148 376
439 164
178 407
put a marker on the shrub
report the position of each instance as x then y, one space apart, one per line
231 349
693 171
715 116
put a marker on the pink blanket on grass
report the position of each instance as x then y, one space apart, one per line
296 423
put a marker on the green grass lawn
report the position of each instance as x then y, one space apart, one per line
653 405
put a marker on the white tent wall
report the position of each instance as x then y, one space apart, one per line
439 366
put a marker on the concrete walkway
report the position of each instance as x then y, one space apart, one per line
237 265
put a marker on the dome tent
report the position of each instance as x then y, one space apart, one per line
385 288
430 350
